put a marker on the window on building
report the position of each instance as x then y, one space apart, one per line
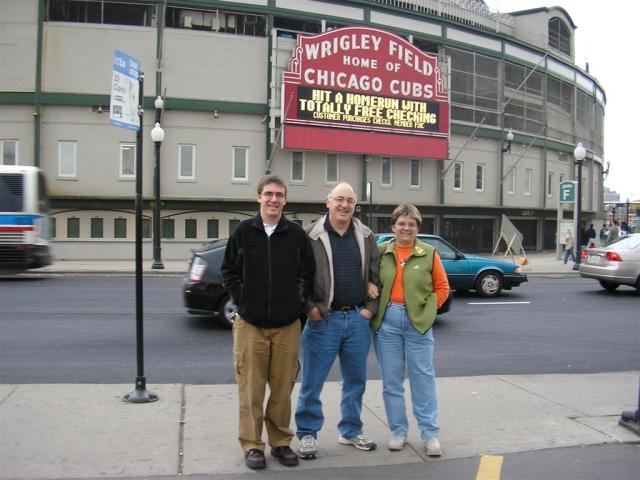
584 111
67 152
386 172
457 176
528 181
52 228
241 163
297 167
479 177
97 227
99 11
233 224
146 228
414 181
190 228
168 228
511 182
9 152
73 227
550 184
331 169
218 21
469 234
213 228
474 86
559 36
186 162
127 160
119 228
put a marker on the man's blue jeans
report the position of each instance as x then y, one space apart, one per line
346 335
396 342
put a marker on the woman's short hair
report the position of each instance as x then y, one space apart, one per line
408 210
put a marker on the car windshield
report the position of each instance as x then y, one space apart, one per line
626 243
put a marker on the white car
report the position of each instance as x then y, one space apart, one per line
615 264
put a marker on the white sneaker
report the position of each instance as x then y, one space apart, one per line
432 447
307 449
361 442
397 443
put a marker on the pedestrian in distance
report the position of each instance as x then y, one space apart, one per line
603 234
568 247
268 269
343 301
590 236
614 232
413 286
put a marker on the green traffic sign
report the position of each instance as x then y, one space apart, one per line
567 192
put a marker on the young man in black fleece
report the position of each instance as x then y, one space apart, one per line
268 269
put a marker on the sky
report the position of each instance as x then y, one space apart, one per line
606 37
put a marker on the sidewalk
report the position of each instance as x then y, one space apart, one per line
539 263
87 431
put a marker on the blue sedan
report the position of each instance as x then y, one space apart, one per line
487 276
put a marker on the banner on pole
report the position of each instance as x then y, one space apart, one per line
125 84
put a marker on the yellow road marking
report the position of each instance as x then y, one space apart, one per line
490 467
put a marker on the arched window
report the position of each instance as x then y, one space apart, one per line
559 36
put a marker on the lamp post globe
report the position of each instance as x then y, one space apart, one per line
510 135
579 153
157 133
158 103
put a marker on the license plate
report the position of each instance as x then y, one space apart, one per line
595 259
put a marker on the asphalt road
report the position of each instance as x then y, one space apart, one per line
81 329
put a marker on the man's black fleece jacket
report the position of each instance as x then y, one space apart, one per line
269 278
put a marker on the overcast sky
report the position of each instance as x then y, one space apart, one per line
607 36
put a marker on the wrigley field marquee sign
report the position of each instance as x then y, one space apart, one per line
362 90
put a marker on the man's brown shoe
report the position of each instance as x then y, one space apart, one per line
254 459
285 456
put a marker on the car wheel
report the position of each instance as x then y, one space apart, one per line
608 286
227 311
489 284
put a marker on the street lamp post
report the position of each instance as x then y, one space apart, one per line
579 154
157 135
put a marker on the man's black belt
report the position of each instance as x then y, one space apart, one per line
345 308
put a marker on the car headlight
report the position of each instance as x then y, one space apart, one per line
517 270
197 270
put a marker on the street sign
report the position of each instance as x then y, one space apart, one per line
567 192
125 85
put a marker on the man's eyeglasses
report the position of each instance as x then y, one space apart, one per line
277 195
348 201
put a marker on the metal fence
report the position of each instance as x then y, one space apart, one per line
469 12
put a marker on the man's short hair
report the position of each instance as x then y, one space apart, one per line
409 210
271 178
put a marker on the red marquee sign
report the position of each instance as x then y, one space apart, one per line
362 90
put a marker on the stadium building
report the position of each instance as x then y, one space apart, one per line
467 113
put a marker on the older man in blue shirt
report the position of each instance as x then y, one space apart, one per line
343 302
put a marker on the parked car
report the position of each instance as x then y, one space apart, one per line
204 294
615 264
202 289
487 276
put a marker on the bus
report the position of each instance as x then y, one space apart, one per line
24 219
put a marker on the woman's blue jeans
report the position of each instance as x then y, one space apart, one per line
346 335
397 343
